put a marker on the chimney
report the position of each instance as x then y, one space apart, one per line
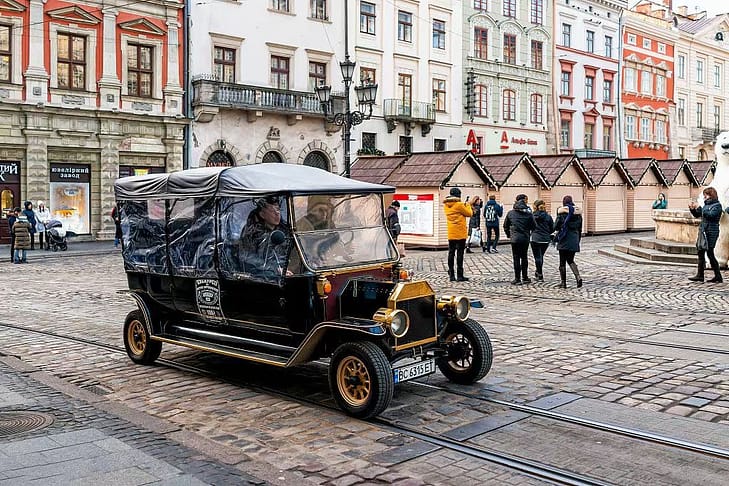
682 10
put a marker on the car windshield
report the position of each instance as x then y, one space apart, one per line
342 230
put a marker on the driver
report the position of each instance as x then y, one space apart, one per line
318 214
264 242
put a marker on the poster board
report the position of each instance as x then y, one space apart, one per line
416 214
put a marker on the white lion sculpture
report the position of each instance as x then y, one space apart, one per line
721 184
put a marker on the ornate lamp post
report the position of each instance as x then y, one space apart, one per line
366 94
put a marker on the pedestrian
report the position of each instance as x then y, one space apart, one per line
491 214
116 217
42 216
30 215
710 214
456 213
518 226
474 223
541 237
12 218
393 220
661 202
568 233
22 230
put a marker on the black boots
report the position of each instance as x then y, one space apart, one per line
575 271
452 275
562 277
699 277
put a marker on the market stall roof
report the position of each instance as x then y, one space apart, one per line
244 181
599 167
702 169
553 166
375 169
671 168
637 169
434 169
501 166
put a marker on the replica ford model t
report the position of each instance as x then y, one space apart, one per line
285 264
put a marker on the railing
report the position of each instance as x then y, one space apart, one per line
705 134
587 153
416 111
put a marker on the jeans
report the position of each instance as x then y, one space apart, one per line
40 239
455 249
20 255
712 260
538 250
521 263
491 243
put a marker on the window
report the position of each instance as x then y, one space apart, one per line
509 48
537 54
404 26
439 33
646 43
565 88
481 5
681 152
607 137
439 94
717 117
630 127
630 79
367 75
661 131
280 5
681 66
700 115
509 8
319 9
509 105
369 141
589 135
405 86
5 53
566 35
405 145
71 63
607 91
224 64
589 88
681 111
717 75
590 41
139 70
367 18
317 75
660 85
479 144
536 12
702 154
699 71
280 72
645 129
482 100
632 39
608 46
536 109
439 145
564 133
646 82
661 47
481 43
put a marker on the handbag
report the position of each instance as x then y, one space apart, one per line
475 238
701 242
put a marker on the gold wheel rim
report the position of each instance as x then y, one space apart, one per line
136 337
353 381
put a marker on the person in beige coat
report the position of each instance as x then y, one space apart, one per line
21 229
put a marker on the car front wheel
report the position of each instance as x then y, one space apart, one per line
469 352
360 377
137 341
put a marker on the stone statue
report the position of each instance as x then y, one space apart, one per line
721 184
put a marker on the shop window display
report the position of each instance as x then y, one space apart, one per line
70 192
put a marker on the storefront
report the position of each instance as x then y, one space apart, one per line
129 170
9 195
70 196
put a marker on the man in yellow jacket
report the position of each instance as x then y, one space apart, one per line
456 213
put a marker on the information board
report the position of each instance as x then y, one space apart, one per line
416 214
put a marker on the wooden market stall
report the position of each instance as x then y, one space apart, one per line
703 171
376 170
607 199
681 182
565 175
647 182
514 174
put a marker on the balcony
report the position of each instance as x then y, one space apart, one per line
704 135
209 95
396 110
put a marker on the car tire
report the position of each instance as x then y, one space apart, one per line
137 340
360 378
469 352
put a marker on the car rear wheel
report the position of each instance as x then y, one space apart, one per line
137 341
469 352
360 377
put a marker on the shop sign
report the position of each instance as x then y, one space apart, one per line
9 172
416 214
507 141
70 173
472 141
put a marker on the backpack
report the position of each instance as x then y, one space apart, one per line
489 214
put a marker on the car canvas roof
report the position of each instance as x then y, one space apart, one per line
244 181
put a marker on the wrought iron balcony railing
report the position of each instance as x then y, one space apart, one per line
704 134
415 111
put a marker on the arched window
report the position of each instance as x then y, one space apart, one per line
220 158
272 157
317 159
509 105
702 154
535 108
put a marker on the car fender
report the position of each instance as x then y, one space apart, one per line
365 327
145 309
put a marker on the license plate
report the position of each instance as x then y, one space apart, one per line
415 370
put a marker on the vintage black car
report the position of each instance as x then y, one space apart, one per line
286 264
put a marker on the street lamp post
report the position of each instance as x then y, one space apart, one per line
366 94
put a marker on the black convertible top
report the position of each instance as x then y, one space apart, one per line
244 181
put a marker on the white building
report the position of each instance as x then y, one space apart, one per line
254 65
587 54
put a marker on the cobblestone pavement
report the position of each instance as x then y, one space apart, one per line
548 342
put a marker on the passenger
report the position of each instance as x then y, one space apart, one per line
318 214
265 239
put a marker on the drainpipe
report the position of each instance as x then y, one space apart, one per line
186 97
619 128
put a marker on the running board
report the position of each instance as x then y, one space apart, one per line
256 356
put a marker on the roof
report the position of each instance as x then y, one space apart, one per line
501 166
671 168
695 26
638 168
701 169
247 181
553 166
599 167
434 169
375 169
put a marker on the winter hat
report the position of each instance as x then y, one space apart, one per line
455 192
521 197
39 204
395 203
317 200
567 201
538 202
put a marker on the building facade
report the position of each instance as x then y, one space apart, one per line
586 67
508 91
87 93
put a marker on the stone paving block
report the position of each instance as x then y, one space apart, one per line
552 401
28 446
695 402
184 480
347 480
403 453
78 437
78 451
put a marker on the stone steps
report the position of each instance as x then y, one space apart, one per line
651 250
665 246
655 255
626 257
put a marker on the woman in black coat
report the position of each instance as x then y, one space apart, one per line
710 214
518 226
541 236
475 221
568 232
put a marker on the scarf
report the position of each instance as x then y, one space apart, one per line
563 229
